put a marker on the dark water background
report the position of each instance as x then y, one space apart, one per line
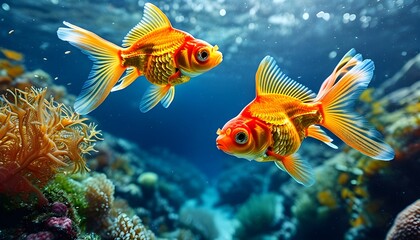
386 31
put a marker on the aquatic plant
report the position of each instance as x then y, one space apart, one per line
407 224
69 189
38 139
125 228
259 216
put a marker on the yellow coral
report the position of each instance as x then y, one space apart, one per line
38 138
358 221
343 178
372 167
366 95
327 198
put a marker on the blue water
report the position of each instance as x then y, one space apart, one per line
306 38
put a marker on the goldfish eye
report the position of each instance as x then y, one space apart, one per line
203 55
241 137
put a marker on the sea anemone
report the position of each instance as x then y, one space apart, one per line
39 138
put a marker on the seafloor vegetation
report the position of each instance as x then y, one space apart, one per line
62 178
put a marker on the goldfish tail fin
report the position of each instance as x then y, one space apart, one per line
295 166
349 60
130 76
317 133
339 118
106 70
155 94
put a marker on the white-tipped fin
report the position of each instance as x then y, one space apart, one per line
155 94
297 168
317 133
270 80
153 19
131 74
349 60
341 119
106 70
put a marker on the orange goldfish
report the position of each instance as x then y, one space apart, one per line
13 55
284 112
164 55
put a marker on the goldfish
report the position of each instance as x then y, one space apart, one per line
165 55
12 55
272 127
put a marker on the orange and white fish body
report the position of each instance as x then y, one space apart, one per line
153 48
284 112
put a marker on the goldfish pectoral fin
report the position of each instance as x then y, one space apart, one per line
169 96
130 76
270 80
295 166
280 165
106 70
153 18
350 127
154 95
298 169
317 133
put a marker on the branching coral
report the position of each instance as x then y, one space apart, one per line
100 197
38 138
130 229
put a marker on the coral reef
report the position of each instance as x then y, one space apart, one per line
100 198
38 138
126 228
261 217
200 221
407 224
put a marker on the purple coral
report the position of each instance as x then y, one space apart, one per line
61 225
59 209
45 235
407 224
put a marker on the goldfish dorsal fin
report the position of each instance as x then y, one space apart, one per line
153 18
270 80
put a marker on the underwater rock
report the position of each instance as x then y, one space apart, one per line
201 221
148 179
407 224
235 186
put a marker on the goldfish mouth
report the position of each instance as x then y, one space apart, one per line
219 146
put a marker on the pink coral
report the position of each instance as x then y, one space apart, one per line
45 235
407 224
62 225
59 208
